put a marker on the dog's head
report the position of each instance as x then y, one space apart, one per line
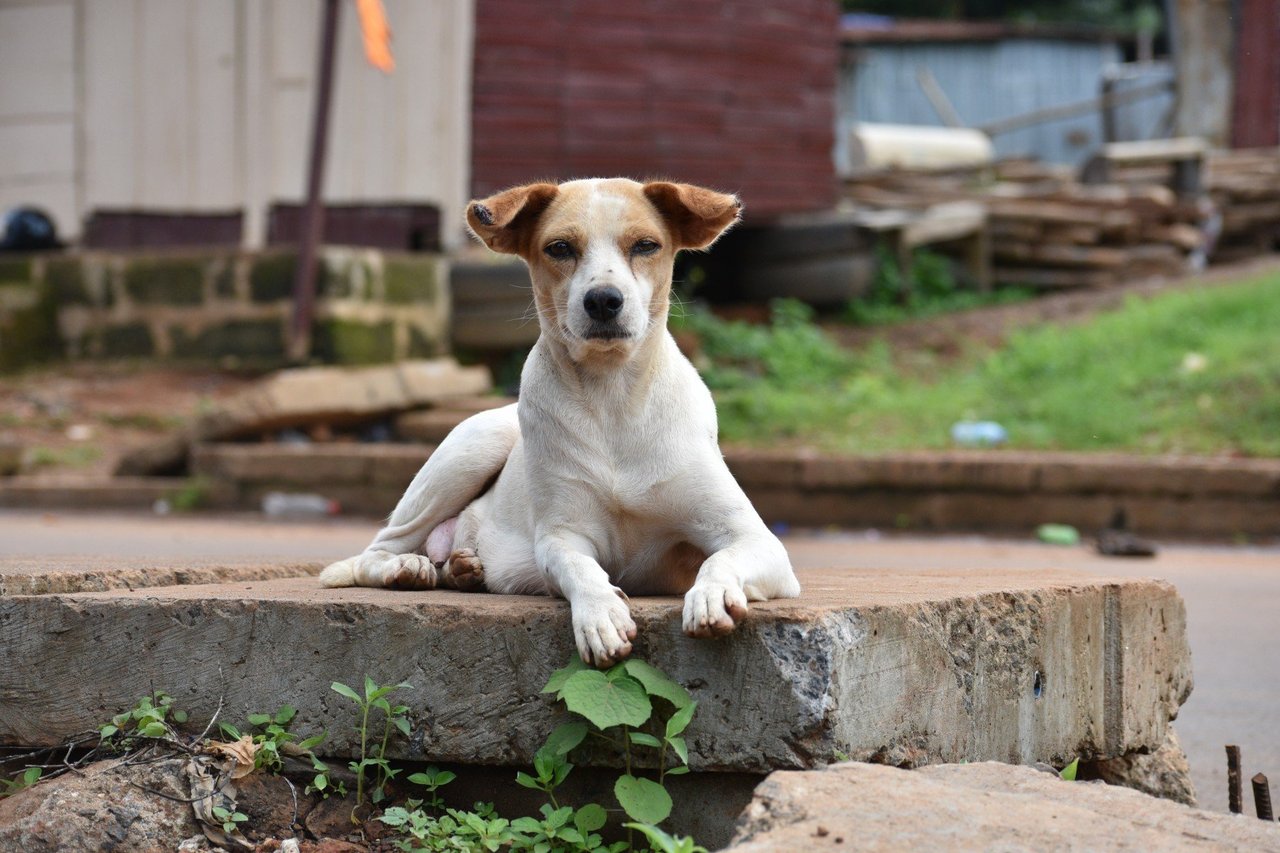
600 253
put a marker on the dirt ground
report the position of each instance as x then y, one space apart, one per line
80 418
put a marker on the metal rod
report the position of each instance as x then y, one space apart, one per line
1115 99
941 103
304 284
1233 780
1262 797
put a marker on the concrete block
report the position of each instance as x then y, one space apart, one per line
925 471
46 576
129 340
271 277
906 668
409 279
258 341
165 281
339 395
982 806
767 468
342 341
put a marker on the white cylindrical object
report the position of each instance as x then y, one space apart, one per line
877 146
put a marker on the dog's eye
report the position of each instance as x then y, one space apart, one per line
644 247
560 249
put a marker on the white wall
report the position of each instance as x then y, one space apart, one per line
205 105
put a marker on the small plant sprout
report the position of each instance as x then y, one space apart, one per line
152 717
230 820
20 782
661 842
375 697
433 779
1068 773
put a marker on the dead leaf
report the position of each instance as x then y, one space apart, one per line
241 752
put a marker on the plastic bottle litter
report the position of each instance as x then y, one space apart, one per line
297 505
978 434
1058 534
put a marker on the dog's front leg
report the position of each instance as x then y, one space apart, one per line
602 624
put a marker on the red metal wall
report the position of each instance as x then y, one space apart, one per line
1256 105
733 94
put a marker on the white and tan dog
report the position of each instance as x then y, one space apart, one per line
606 479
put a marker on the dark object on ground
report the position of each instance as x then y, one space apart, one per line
1233 779
28 229
1117 541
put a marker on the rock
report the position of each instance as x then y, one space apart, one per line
167 455
903 667
1164 773
336 395
101 810
985 806
432 425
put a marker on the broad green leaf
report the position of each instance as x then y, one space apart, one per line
680 719
565 738
556 683
681 748
678 771
606 703
645 740
320 782
258 719
559 817
657 683
285 714
527 781
339 687
589 818
571 835
1069 772
642 799
312 742
229 730
402 724
31 775
444 777
107 731
526 824
153 730
179 716
370 687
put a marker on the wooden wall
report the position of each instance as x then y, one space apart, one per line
734 94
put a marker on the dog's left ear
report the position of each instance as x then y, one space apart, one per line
695 215
505 221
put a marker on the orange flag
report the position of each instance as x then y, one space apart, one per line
377 35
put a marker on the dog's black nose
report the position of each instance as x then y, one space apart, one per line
603 303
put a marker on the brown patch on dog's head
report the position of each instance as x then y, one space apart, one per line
695 215
505 222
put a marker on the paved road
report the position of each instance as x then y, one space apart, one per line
1232 595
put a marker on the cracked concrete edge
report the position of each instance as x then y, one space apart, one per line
912 681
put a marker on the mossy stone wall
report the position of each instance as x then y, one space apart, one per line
231 308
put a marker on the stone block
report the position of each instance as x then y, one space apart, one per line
28 327
1164 773
129 340
981 806
766 468
16 271
65 280
165 281
411 278
1003 472
271 277
10 457
423 344
903 667
343 341
254 341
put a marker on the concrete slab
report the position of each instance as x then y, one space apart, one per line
45 576
976 807
900 667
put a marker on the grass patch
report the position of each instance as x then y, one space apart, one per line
1190 372
75 456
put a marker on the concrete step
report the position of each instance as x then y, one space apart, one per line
904 668
953 490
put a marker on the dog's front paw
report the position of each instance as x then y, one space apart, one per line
603 630
710 608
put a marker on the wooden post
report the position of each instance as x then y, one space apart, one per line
304 284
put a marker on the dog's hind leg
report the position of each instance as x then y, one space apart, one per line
456 474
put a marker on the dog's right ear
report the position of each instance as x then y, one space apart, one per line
504 222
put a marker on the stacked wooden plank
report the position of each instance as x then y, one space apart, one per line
1049 231
1245 188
